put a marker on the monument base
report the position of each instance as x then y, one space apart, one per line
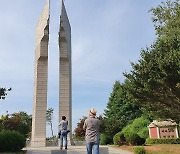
38 142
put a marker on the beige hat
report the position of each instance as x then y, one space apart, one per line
92 112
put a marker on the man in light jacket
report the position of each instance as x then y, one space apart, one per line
63 132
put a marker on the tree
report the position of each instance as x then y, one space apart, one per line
3 92
120 110
49 118
102 124
20 122
79 131
155 78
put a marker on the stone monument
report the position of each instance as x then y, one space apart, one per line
38 137
65 99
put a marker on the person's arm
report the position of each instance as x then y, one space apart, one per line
60 124
59 129
84 126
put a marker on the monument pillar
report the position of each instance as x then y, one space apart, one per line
65 98
38 137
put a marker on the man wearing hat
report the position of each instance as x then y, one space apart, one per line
91 126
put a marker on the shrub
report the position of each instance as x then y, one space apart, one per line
133 138
119 139
139 126
105 139
143 133
163 141
139 150
11 141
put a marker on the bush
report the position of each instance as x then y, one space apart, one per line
11 141
163 141
139 150
143 133
128 137
105 139
119 139
133 138
139 126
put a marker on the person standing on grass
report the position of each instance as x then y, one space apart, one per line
63 132
91 126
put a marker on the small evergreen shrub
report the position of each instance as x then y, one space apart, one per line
133 138
143 133
139 126
139 150
163 141
11 141
119 139
105 139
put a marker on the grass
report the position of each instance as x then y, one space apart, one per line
163 149
157 149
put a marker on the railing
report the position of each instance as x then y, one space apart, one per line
49 143
79 143
55 142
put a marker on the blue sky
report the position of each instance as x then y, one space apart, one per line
106 36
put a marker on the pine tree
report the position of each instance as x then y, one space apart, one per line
120 110
155 78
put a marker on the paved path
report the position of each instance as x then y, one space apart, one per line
74 150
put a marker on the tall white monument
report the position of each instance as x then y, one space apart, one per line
38 137
65 98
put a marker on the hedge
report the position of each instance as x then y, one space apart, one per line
105 139
11 141
134 139
163 141
128 138
119 139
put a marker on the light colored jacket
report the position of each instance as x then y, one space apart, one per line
63 125
91 125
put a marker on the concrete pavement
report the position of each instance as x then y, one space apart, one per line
73 150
